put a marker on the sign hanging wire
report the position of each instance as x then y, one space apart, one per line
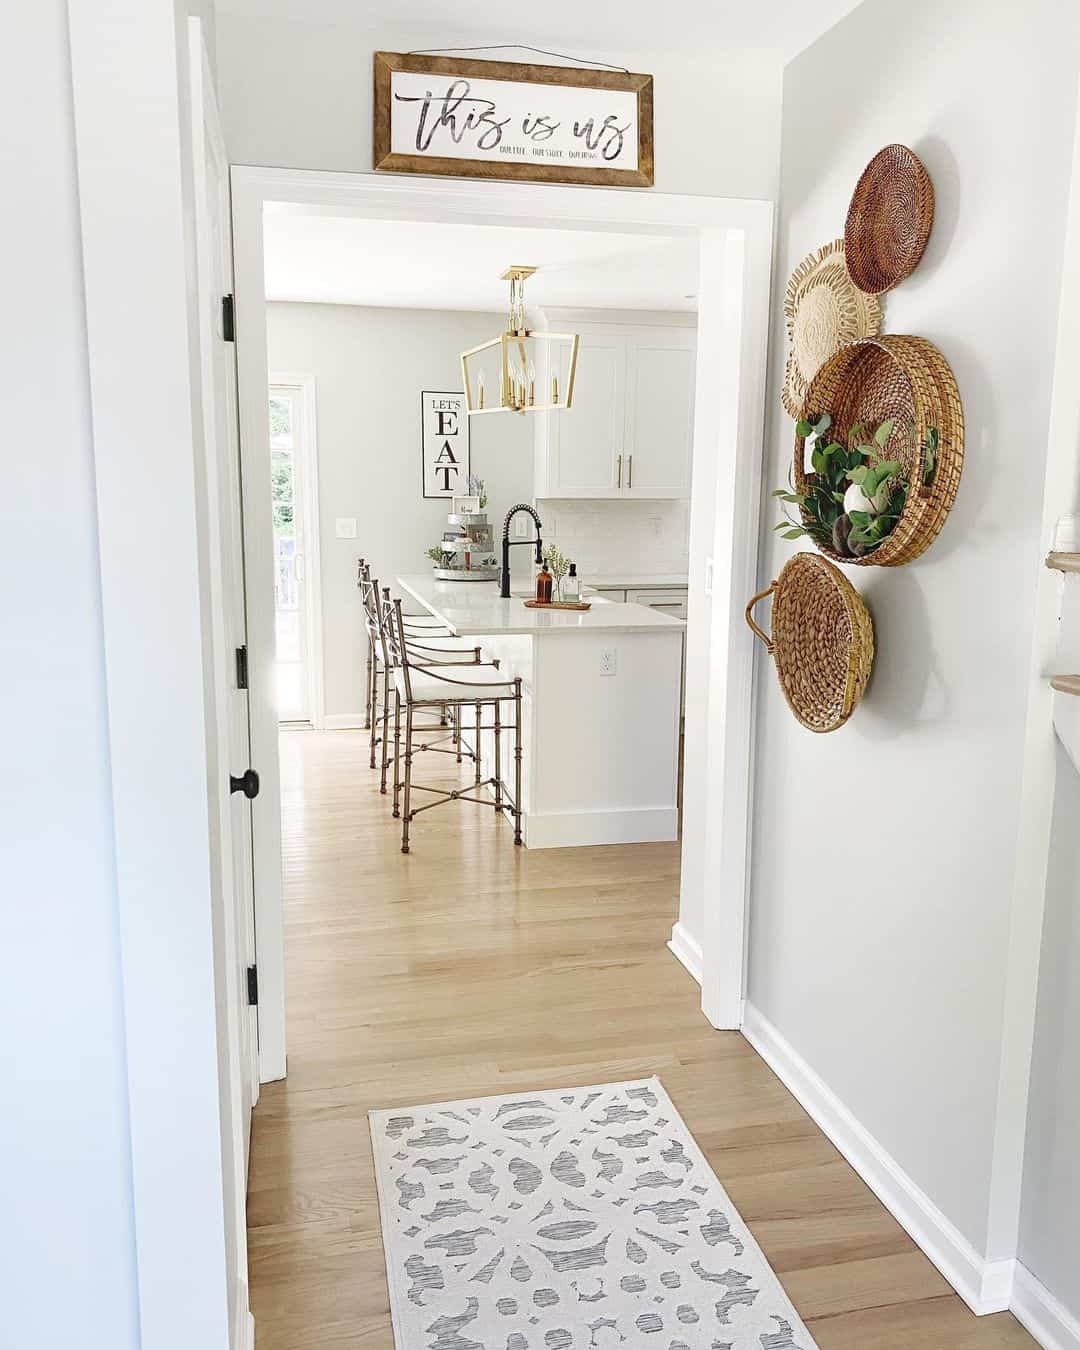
517 47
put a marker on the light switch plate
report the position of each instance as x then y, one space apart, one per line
345 527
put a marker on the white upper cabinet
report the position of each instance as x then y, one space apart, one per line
630 430
581 439
659 414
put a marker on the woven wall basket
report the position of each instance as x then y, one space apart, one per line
824 310
889 220
822 641
907 380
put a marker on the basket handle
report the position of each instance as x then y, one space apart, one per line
754 628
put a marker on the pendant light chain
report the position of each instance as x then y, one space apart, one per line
517 305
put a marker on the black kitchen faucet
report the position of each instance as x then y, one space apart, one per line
504 589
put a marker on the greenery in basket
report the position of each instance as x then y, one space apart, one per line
558 564
440 557
851 503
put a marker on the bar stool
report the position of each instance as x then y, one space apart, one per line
435 649
417 687
421 624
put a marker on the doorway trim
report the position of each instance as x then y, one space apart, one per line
310 511
735 239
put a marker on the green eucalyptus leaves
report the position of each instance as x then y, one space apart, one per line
853 498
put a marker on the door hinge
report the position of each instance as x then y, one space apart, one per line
228 319
241 668
253 986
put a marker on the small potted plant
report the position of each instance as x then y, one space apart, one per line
558 564
474 487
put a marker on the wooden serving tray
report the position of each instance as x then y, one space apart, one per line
557 604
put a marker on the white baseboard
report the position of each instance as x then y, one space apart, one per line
686 950
343 721
1036 1308
985 1286
572 829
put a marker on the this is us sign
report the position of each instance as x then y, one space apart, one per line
501 119
444 442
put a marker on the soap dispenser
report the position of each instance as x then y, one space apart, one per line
571 586
543 586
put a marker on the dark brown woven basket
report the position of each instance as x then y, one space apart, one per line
889 220
822 641
908 381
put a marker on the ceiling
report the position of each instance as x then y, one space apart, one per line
416 265
780 28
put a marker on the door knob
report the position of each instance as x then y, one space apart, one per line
248 784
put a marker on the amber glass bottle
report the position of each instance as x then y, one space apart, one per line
543 586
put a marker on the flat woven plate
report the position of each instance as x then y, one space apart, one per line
824 310
889 220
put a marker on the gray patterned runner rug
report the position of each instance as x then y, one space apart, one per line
578 1219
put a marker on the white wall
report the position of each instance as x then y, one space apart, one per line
298 94
370 366
1050 1225
884 854
66 1191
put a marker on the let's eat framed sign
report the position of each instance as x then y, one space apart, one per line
444 435
502 119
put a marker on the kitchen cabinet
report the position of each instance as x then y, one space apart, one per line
630 430
670 600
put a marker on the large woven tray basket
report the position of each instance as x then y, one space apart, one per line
822 641
908 381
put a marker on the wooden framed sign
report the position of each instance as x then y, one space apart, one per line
502 119
444 440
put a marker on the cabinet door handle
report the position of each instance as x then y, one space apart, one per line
618 471
630 474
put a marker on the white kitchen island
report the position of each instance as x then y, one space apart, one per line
600 709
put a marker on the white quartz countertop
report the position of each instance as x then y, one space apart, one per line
475 608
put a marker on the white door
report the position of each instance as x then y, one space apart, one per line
293 494
659 414
229 754
587 438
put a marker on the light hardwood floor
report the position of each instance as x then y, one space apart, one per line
471 967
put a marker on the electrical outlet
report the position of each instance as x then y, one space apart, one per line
345 527
521 526
608 661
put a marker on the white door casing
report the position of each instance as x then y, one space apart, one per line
736 243
234 934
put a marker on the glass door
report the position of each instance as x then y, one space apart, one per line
286 448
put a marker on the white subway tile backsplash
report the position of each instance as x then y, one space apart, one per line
609 536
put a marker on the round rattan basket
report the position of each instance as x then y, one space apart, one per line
824 310
905 380
889 220
822 641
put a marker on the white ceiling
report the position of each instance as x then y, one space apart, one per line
781 28
413 265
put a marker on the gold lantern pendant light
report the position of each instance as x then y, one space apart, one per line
536 368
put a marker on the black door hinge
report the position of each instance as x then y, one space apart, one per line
241 668
228 319
253 986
